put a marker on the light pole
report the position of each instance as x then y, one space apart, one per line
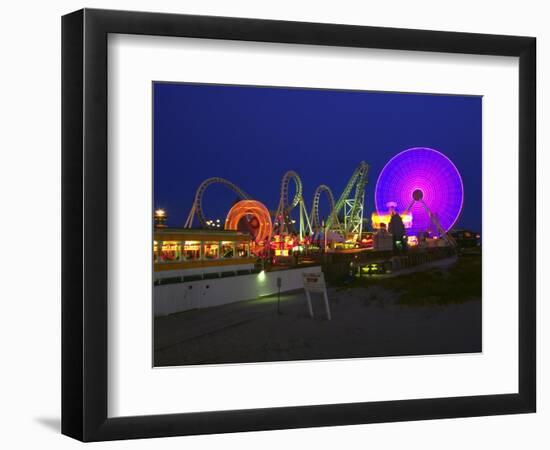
325 236
279 284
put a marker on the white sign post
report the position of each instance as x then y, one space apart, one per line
315 282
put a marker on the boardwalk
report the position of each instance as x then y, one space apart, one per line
366 322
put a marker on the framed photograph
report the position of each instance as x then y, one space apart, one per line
273 224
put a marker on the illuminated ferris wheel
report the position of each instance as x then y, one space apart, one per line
426 183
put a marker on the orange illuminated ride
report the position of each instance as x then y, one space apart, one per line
250 216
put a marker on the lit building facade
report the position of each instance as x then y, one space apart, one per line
189 252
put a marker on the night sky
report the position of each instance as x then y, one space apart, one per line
253 135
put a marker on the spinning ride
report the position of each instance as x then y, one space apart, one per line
252 217
426 183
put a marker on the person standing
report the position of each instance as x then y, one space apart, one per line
397 229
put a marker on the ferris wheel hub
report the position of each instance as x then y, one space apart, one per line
417 195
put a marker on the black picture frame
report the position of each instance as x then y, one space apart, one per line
84 224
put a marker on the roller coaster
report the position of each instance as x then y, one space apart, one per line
345 215
197 210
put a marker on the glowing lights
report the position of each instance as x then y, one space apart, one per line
284 245
367 241
169 251
251 215
213 223
160 217
378 219
418 178
261 276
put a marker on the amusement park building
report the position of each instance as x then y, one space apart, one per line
203 268
190 252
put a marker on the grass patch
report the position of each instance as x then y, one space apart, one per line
458 283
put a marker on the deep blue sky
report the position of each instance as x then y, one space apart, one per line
253 135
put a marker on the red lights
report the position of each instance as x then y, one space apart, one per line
253 215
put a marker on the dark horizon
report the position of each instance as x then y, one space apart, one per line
252 135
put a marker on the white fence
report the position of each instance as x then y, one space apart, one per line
171 298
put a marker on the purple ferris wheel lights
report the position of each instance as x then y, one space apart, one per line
421 178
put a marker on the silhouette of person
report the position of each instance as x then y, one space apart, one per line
397 229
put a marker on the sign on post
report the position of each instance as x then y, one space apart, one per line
315 282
